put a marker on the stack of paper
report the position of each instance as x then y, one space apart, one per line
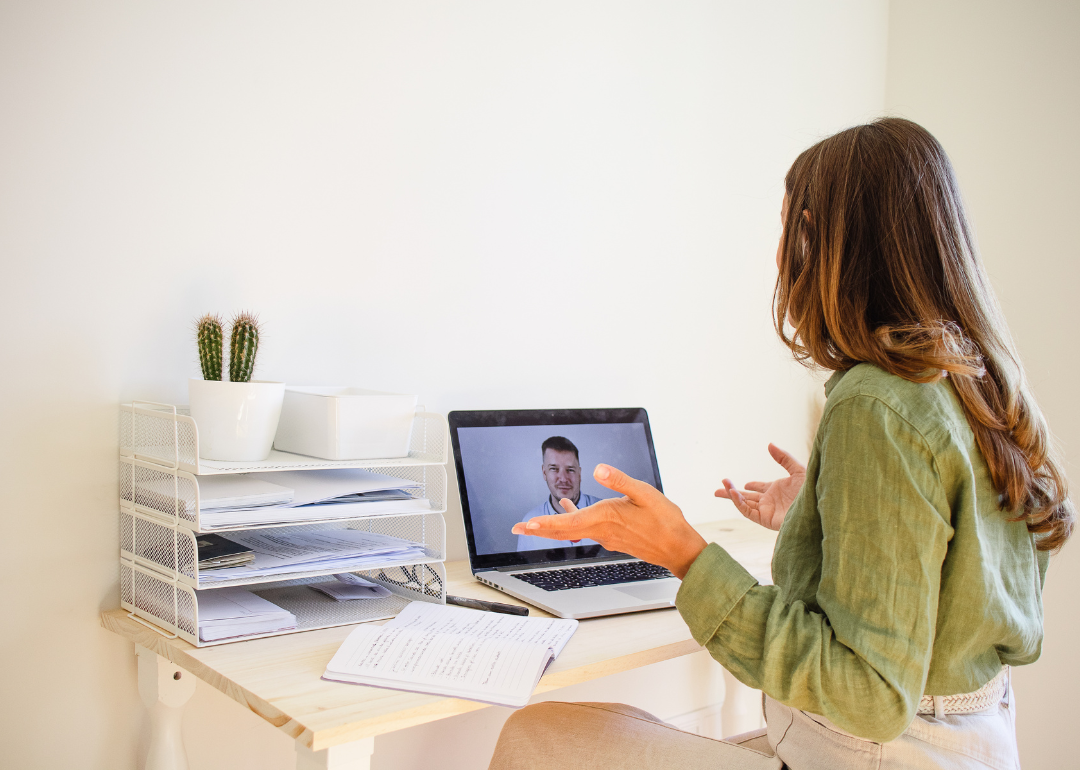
317 495
285 497
229 612
241 491
282 552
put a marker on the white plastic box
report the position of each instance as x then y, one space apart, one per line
341 423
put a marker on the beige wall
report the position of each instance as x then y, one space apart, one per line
999 84
491 204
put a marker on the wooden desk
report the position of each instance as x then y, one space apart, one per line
335 724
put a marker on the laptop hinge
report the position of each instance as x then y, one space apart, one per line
574 563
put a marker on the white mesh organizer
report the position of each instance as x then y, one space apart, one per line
160 516
173 607
172 495
172 550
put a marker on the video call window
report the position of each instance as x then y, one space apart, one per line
513 473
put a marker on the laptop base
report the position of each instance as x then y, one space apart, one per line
591 602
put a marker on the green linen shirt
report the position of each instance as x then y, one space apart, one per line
896 574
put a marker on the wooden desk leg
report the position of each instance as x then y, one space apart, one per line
348 756
164 688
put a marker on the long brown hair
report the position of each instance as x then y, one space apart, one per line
878 264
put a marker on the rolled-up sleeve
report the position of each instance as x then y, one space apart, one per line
714 584
858 648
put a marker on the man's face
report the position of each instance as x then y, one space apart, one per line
562 474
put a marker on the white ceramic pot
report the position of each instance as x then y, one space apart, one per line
236 420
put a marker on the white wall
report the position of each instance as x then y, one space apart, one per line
491 204
996 82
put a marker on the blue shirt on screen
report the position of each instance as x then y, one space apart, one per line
534 543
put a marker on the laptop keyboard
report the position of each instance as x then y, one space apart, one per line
596 575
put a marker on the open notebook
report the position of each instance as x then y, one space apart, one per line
452 651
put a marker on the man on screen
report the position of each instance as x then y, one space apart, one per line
562 472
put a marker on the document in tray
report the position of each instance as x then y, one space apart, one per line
452 651
280 552
318 486
229 492
316 495
230 612
351 507
263 499
241 491
349 587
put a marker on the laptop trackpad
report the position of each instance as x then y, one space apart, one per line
650 592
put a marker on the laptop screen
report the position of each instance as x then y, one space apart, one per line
514 465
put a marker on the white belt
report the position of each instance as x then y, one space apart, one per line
986 697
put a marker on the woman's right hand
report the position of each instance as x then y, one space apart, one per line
767 502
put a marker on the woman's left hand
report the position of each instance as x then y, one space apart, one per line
643 523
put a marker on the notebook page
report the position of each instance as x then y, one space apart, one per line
449 651
550 632
445 664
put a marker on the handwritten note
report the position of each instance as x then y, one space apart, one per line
453 651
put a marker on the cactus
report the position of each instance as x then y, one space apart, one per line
243 346
209 336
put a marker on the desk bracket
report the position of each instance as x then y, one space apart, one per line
164 688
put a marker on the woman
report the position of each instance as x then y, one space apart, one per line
913 546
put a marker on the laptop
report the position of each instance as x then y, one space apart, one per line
513 465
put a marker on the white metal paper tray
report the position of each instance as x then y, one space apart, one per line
142 482
174 608
167 435
171 550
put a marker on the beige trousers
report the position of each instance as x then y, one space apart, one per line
603 736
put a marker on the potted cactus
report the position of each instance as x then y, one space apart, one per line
237 419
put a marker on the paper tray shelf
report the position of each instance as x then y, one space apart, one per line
142 482
174 607
166 435
171 550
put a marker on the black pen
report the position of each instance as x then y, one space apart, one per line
480 604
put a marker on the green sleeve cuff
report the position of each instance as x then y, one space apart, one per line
714 584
